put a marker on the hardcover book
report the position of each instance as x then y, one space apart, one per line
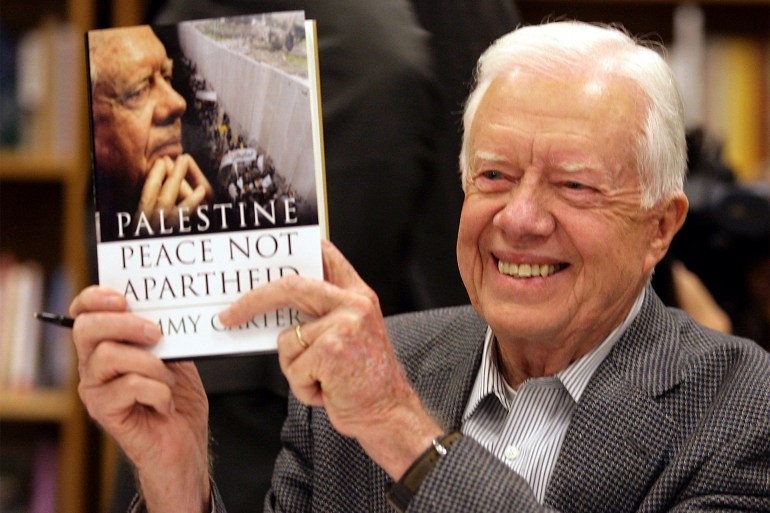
208 171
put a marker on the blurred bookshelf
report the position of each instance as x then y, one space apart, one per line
45 405
44 160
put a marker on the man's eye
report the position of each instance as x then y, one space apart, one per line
136 93
575 186
492 181
133 97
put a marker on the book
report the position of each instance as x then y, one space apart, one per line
21 294
737 101
208 171
29 466
44 487
8 286
46 97
26 336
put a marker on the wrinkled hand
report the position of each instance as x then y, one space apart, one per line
349 367
156 412
172 185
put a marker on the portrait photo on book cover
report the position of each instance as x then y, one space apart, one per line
202 127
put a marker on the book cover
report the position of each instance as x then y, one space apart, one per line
208 171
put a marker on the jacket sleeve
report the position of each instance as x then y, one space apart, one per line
292 483
470 479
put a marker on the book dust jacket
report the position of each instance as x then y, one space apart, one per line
208 171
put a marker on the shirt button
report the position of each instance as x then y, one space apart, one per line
512 452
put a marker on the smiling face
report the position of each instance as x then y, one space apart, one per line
553 247
137 114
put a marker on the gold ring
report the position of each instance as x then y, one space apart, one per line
302 341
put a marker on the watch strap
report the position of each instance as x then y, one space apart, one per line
401 492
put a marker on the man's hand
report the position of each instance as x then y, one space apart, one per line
348 367
172 185
157 413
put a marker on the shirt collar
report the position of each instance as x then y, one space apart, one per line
574 378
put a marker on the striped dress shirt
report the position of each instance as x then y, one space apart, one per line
525 427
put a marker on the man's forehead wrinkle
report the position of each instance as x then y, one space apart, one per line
554 153
564 145
134 48
110 77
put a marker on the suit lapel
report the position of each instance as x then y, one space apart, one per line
614 449
446 386
619 435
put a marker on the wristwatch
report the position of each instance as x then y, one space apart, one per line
401 492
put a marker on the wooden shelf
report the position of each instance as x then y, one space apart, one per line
25 165
40 405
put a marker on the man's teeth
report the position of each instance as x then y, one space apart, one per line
527 270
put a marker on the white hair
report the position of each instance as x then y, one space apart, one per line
558 47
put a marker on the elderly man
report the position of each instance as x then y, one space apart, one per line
137 123
567 385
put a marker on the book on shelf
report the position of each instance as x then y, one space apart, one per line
27 288
33 355
21 294
725 84
44 485
208 171
28 472
737 104
39 91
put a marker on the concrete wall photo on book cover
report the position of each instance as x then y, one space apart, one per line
208 171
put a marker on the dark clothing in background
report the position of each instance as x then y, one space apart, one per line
459 31
381 108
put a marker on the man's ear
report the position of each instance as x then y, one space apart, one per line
667 219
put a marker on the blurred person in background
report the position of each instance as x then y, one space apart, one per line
718 265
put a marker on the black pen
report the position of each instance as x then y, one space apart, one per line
59 320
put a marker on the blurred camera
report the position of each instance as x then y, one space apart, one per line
727 231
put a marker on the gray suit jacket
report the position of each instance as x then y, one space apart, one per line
677 418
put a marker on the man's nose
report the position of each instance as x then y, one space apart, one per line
170 104
527 212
